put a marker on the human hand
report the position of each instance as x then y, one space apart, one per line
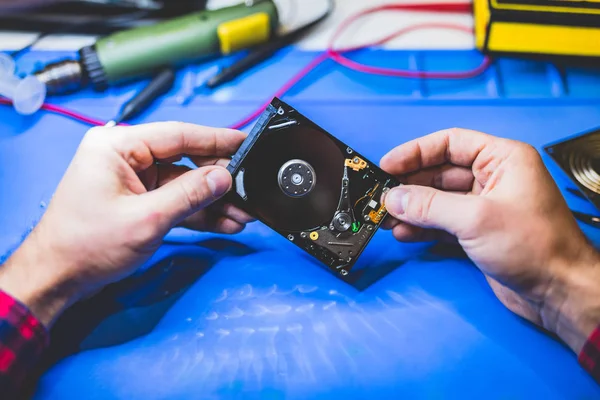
119 197
496 198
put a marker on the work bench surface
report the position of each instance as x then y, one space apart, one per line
250 316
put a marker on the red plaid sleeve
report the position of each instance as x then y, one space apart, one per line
22 340
589 357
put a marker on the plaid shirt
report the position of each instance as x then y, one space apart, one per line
589 358
22 340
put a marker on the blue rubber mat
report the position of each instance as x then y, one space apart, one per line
249 316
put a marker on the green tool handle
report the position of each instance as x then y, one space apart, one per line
140 51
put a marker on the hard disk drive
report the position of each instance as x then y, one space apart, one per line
579 158
319 193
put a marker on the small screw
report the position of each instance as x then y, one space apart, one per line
370 227
367 217
303 234
349 150
280 111
291 237
355 160
343 272
331 227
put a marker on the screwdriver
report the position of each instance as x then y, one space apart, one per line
158 86
259 54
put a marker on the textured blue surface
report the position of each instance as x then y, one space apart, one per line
249 316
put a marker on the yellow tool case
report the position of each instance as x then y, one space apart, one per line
538 27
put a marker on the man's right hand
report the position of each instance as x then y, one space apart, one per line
498 200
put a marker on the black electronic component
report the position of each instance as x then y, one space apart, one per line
310 187
579 158
97 17
158 86
261 53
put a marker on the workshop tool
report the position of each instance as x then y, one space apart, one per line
27 95
158 86
538 28
338 55
139 52
260 54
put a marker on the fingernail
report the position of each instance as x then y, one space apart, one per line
396 201
218 181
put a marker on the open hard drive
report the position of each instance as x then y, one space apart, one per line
310 187
579 158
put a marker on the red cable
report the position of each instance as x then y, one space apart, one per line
337 56
348 63
284 89
65 112
459 8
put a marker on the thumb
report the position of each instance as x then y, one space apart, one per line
188 193
431 208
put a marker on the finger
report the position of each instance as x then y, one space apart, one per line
158 175
456 146
409 233
236 214
204 221
187 194
228 226
207 217
431 208
389 223
140 145
167 172
204 161
445 177
171 160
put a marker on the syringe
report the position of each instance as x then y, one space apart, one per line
27 95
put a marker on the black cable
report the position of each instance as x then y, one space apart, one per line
158 86
17 53
72 28
588 219
264 52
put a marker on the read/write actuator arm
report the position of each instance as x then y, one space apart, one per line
344 218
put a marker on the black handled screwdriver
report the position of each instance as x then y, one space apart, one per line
258 55
158 86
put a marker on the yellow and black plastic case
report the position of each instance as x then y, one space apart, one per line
555 28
